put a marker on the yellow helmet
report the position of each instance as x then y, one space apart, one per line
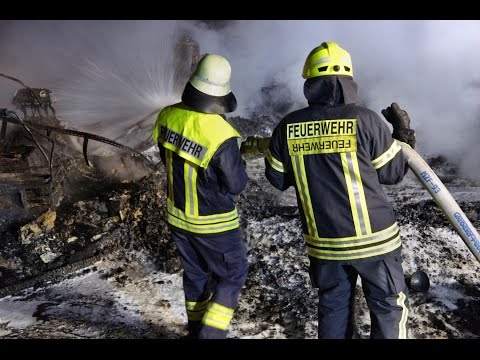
327 59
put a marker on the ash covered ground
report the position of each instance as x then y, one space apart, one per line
130 285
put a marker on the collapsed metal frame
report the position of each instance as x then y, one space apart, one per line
33 128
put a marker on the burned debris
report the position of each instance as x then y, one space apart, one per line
42 166
37 153
50 174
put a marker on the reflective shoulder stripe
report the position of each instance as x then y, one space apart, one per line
274 163
387 155
192 135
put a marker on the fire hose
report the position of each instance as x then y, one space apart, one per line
443 198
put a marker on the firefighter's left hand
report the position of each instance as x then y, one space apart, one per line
250 146
405 135
254 146
396 116
401 124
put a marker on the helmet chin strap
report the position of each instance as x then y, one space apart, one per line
206 103
208 90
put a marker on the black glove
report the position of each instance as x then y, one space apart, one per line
254 145
405 135
401 124
249 146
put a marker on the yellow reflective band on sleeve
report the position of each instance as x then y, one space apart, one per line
218 316
302 187
191 197
402 325
356 194
387 155
352 248
202 224
196 310
169 167
322 137
274 163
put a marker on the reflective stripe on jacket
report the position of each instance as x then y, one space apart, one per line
204 169
337 156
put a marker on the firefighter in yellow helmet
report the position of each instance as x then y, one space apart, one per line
205 171
337 154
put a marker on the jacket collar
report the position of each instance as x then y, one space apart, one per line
330 90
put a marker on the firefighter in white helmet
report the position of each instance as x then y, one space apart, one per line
337 154
205 171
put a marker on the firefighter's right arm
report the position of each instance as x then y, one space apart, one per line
276 168
386 153
230 168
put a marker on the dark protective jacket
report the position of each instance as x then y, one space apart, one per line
337 154
204 169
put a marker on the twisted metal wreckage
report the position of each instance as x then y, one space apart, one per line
38 154
35 155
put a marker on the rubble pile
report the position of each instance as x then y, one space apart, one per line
128 216
114 235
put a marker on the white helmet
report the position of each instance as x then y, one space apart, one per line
209 87
212 75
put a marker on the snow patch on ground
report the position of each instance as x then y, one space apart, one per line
123 298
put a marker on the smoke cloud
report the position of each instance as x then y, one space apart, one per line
108 75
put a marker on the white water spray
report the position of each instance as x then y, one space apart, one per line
106 76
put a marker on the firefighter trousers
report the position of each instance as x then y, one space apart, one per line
384 288
215 270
